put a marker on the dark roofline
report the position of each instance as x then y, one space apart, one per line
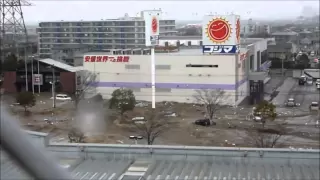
181 38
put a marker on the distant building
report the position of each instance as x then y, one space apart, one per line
122 33
281 51
181 69
252 28
284 37
69 52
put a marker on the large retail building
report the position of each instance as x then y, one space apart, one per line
180 73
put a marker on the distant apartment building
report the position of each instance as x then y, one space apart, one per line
254 28
122 33
281 51
284 37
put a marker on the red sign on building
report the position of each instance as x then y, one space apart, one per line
97 58
243 56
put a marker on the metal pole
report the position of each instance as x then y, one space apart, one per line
153 78
32 159
26 67
282 59
53 88
32 76
41 80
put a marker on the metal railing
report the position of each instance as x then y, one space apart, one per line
32 159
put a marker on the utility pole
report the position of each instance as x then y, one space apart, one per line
13 28
32 76
53 87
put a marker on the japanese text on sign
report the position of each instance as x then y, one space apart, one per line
221 49
96 58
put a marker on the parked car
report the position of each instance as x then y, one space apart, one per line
62 97
257 119
314 106
170 114
291 103
318 86
139 120
317 82
141 104
309 81
204 122
302 80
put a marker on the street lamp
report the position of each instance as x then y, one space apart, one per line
53 93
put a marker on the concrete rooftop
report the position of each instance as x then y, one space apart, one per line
124 162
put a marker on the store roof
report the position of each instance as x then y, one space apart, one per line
59 64
290 33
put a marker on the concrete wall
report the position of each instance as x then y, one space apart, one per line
89 151
9 81
38 139
175 81
259 46
297 73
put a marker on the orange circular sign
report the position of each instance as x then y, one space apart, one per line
238 30
154 26
218 30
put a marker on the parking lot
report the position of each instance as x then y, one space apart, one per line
98 121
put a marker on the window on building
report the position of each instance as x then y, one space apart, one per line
163 67
202 65
163 90
132 66
264 56
252 62
258 59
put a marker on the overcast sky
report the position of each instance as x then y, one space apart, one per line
43 10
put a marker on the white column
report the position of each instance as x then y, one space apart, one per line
153 78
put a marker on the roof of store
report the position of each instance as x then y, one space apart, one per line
101 161
290 33
59 64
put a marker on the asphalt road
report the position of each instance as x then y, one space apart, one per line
284 91
305 95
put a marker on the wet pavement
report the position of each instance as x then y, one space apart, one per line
284 91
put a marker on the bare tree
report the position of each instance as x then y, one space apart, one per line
76 136
211 99
85 82
266 138
154 126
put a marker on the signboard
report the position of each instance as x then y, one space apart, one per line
221 49
221 30
100 58
152 27
243 56
37 79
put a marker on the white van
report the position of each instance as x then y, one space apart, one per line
139 120
62 97
314 106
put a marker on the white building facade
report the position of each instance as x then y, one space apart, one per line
177 75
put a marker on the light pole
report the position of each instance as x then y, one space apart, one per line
32 76
53 86
283 56
41 80
26 67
